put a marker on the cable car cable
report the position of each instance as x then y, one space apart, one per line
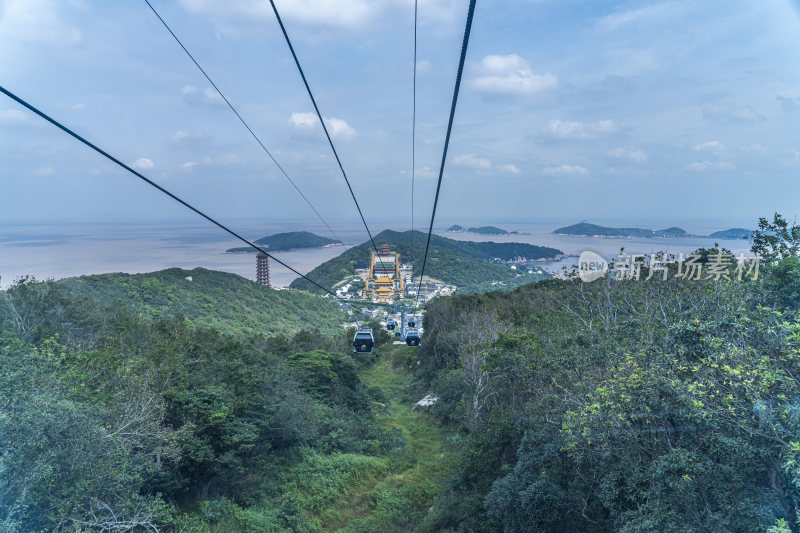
414 135
160 188
324 127
464 45
244 123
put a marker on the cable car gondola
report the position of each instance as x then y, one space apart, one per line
363 341
412 337
391 324
412 323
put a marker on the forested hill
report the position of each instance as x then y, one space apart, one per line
629 406
210 298
460 263
287 241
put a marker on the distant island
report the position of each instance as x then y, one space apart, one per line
482 230
585 229
733 233
292 240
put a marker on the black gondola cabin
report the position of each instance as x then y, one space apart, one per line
364 341
412 337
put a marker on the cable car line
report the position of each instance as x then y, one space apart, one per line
152 183
324 127
414 133
464 45
244 123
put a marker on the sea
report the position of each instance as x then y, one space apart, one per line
60 251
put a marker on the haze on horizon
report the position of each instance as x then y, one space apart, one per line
636 112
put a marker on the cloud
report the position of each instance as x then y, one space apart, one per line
188 137
226 160
36 21
562 129
425 172
337 127
714 147
337 14
699 166
73 107
756 148
334 13
510 74
424 66
511 169
194 96
472 161
731 113
142 164
634 154
565 170
45 171
14 116
189 165
303 120
702 166
655 13
788 104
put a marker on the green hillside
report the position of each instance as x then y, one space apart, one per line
220 300
287 241
581 409
460 263
618 405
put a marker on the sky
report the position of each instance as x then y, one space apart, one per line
638 112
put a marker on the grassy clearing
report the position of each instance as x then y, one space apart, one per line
398 500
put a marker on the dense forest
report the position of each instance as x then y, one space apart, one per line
209 298
616 405
112 420
461 263
624 406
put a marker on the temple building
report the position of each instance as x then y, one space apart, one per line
384 283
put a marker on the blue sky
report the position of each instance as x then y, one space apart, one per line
610 111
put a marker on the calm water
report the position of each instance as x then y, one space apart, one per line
541 234
73 250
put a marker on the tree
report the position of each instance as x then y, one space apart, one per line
775 240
